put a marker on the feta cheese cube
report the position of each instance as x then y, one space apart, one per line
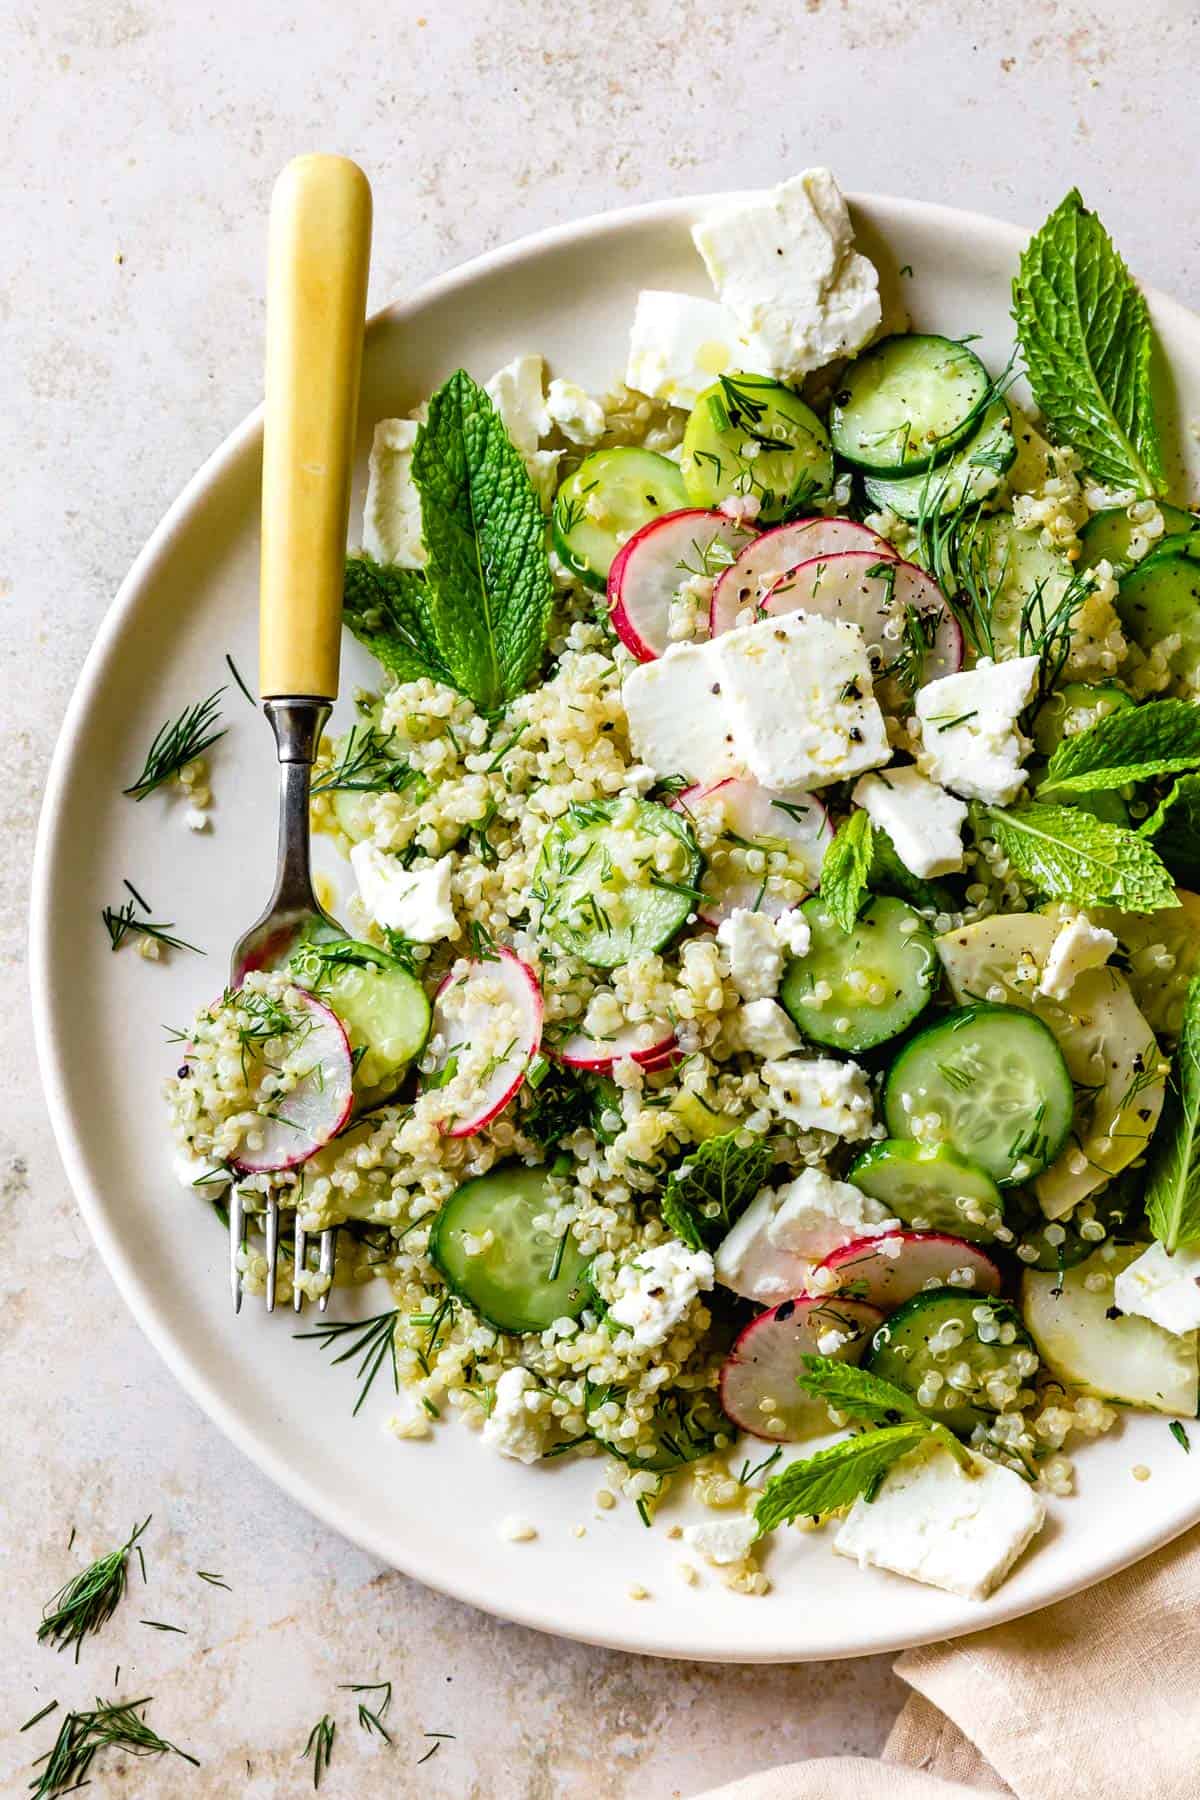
678 724
923 821
798 695
764 1029
722 1541
1079 946
770 1253
577 415
1163 1287
512 1427
784 265
933 1522
679 345
391 530
516 393
755 957
415 902
969 729
655 1290
819 1094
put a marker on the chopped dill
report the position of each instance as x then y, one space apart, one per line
320 1747
118 1726
370 1719
87 1602
372 1340
177 743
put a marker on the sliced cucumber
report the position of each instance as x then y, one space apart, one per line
930 1187
383 1008
749 435
616 878
1160 598
970 474
991 1082
880 975
493 1254
1124 1358
1024 576
1073 708
967 1356
1106 536
612 494
906 403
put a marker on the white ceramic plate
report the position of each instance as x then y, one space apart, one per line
431 1508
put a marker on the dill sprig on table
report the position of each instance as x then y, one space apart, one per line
368 1719
86 1602
119 921
177 743
320 1746
117 1725
374 1340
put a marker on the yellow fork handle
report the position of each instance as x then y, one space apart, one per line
319 248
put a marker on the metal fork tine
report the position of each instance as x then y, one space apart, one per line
272 1248
299 1264
328 1253
237 1231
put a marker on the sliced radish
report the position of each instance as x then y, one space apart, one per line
799 822
318 1105
647 573
851 586
466 1010
890 1269
762 562
652 1045
758 1378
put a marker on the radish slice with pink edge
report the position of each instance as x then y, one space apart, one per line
889 1269
881 597
467 1011
652 1045
315 1109
762 562
647 573
797 823
758 1378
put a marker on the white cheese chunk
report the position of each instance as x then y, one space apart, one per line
1079 946
415 902
678 724
969 729
577 415
797 692
923 821
516 393
722 1541
793 931
783 263
678 346
764 1029
514 1427
655 1290
750 941
1162 1287
933 1522
820 1094
392 510
770 1253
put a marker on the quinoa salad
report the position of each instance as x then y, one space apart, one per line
762 1051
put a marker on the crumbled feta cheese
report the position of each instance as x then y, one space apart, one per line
678 723
722 1541
764 1029
391 530
933 1522
783 262
654 1292
771 1251
415 902
511 1427
755 958
792 930
1079 946
516 393
798 695
923 821
969 729
819 1094
679 345
577 415
1163 1287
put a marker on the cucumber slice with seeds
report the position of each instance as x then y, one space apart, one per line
989 1080
907 403
383 1008
750 436
1073 708
880 975
612 494
616 878
1107 535
930 1187
965 1357
1160 598
970 474
491 1252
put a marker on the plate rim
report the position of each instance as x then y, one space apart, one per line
138 1294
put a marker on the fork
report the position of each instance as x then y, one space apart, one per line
319 247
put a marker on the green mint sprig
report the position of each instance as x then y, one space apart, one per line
712 1187
387 609
1173 1181
847 869
1135 744
1070 855
1174 829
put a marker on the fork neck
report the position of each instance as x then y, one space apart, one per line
297 721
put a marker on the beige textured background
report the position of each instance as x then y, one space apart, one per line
139 142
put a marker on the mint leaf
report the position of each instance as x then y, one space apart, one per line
712 1187
387 609
1173 1184
1174 827
871 1400
1071 855
488 573
833 1478
1085 330
847 869
1135 744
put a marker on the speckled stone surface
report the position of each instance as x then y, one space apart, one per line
139 146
